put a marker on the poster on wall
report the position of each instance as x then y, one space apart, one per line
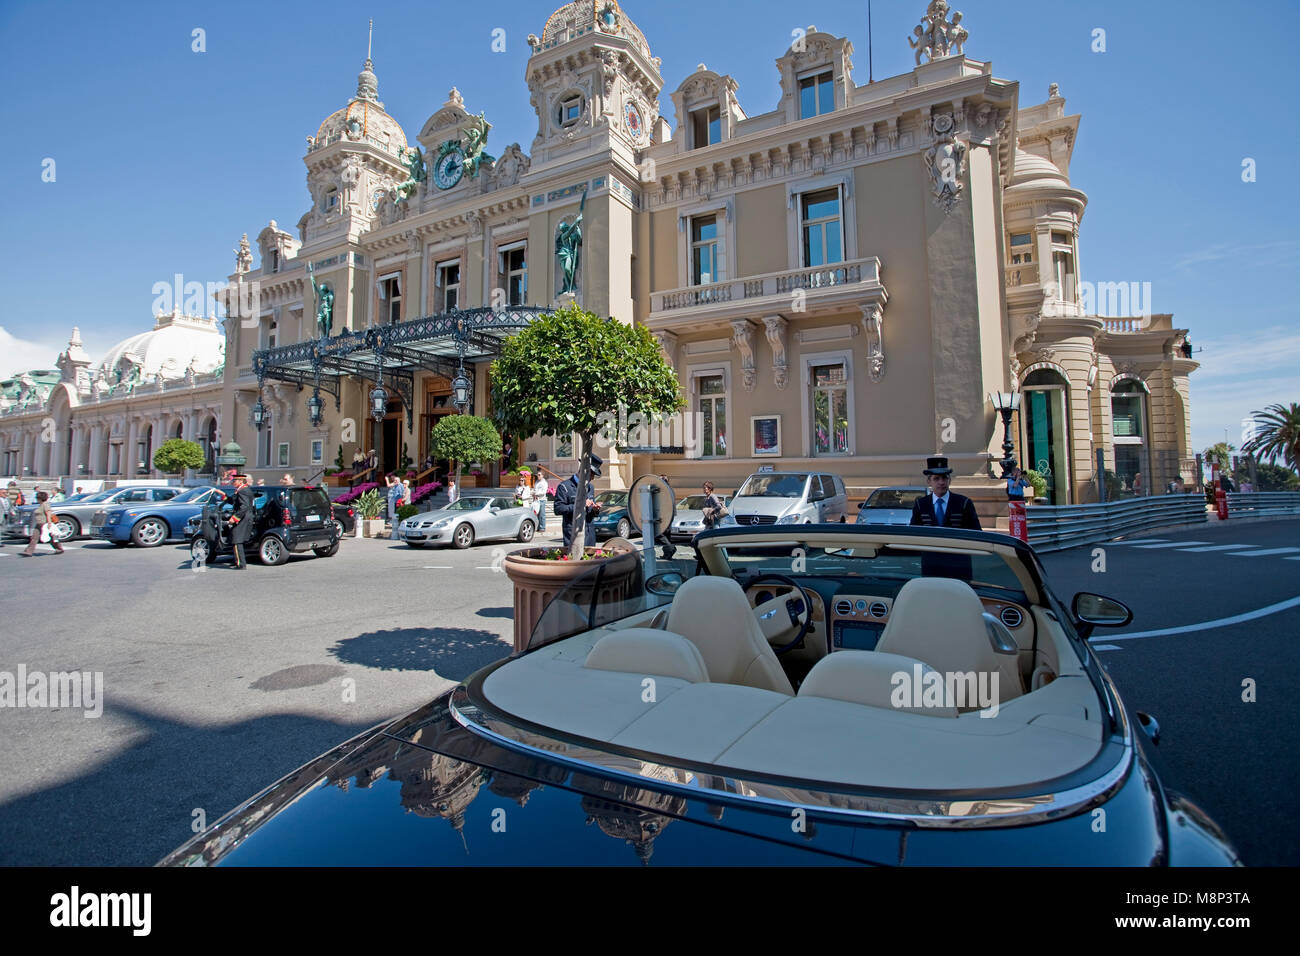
766 430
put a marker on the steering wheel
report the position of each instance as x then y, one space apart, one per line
784 613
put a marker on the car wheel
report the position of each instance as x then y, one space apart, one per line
463 536
338 525
149 532
272 551
624 528
65 527
526 531
199 550
328 552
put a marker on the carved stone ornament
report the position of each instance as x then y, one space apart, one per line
1046 354
873 323
776 327
1014 366
946 162
983 115
936 36
742 336
244 257
668 345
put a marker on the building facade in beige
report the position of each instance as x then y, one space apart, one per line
840 281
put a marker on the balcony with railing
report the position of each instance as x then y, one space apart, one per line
852 282
1026 273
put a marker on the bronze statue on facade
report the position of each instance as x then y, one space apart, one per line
568 248
324 305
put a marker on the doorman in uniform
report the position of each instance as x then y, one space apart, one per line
241 530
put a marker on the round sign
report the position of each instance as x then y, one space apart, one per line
662 494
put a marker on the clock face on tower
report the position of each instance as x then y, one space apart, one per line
449 169
632 116
377 197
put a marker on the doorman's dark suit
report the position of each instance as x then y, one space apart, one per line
565 506
960 512
242 533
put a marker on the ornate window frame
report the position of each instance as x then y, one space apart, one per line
795 191
725 210
806 363
691 380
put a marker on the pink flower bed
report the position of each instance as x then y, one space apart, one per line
423 491
356 492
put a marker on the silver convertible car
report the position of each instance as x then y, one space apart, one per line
469 519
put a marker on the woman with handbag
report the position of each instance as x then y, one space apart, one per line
42 527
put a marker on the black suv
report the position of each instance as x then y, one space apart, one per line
287 519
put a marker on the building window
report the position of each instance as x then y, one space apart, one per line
447 286
822 227
390 300
514 274
317 450
1022 248
275 260
816 95
569 112
830 409
712 407
265 446
270 335
1063 266
706 127
704 250
564 446
330 201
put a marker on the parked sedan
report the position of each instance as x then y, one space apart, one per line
149 524
613 520
688 520
890 505
469 519
73 518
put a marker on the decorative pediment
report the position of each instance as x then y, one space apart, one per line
812 52
450 117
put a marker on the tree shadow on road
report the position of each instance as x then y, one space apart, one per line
450 652
505 612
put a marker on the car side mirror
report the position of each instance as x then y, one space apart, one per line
666 583
1094 610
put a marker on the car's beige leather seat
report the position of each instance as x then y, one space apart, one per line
642 650
940 621
870 677
712 613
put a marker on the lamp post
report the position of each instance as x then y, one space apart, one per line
315 409
259 413
1006 403
461 386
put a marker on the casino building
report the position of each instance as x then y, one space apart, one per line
841 279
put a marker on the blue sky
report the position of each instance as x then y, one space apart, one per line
164 156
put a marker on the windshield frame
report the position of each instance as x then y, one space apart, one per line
770 477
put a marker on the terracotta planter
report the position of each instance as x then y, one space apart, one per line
372 527
537 580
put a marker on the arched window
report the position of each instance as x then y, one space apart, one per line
1044 414
1129 429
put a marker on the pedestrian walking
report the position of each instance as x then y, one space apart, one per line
42 527
6 508
452 493
243 520
394 499
286 479
1137 485
540 488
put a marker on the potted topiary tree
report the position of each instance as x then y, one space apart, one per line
177 454
463 438
565 374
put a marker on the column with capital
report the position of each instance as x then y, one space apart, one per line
95 452
74 453
126 456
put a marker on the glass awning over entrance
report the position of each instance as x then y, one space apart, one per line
393 353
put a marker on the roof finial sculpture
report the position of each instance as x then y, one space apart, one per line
936 37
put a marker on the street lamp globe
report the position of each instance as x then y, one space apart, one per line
461 387
259 414
378 402
315 409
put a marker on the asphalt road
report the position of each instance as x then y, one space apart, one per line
217 682
1238 760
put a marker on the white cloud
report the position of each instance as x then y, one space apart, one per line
1260 254
21 355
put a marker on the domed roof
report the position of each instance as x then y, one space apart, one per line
1030 167
169 347
363 118
589 16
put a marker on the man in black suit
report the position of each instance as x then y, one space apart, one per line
940 507
565 505
241 523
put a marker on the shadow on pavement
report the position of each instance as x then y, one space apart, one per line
503 612
451 652
137 807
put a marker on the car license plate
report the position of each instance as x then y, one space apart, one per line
311 518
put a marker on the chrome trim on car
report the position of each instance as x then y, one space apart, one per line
992 813
1011 616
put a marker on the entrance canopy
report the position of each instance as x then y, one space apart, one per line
394 352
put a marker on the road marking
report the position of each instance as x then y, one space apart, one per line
1210 625
1219 547
437 567
1105 647
1258 554
1171 544
1140 541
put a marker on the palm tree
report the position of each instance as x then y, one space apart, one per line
1277 434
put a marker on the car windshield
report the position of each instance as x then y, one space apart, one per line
773 486
881 562
691 503
193 495
467 504
894 498
615 499
101 495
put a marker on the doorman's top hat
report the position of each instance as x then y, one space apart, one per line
936 466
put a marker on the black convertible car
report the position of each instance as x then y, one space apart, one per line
822 693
